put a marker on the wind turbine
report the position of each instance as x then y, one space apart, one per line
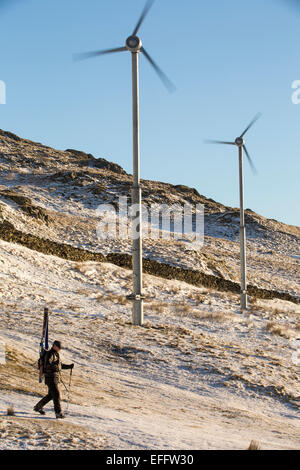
240 143
134 45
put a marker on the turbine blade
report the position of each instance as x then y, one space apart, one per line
250 160
88 55
251 124
219 142
166 81
143 16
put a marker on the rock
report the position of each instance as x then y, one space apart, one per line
104 164
93 162
26 205
10 135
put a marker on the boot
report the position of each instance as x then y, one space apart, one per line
60 416
39 410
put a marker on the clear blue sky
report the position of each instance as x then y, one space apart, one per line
229 60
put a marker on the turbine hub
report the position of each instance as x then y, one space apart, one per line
239 141
133 44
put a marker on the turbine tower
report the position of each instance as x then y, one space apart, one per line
240 143
134 45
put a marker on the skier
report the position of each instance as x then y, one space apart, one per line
52 366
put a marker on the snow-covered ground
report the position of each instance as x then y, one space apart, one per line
198 375
69 187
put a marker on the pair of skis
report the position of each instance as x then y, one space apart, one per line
44 344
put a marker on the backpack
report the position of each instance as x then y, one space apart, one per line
41 360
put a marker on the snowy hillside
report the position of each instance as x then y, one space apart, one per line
198 375
54 195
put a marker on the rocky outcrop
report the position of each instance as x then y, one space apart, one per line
91 161
26 205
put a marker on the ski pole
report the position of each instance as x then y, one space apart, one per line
70 381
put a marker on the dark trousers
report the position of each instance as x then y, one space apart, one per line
53 394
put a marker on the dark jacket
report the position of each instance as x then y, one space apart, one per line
53 365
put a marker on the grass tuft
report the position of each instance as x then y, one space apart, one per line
254 445
279 330
10 411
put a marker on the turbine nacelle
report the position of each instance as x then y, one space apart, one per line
239 141
133 44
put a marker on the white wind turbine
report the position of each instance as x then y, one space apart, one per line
240 144
134 45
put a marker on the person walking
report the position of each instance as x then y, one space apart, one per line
52 367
